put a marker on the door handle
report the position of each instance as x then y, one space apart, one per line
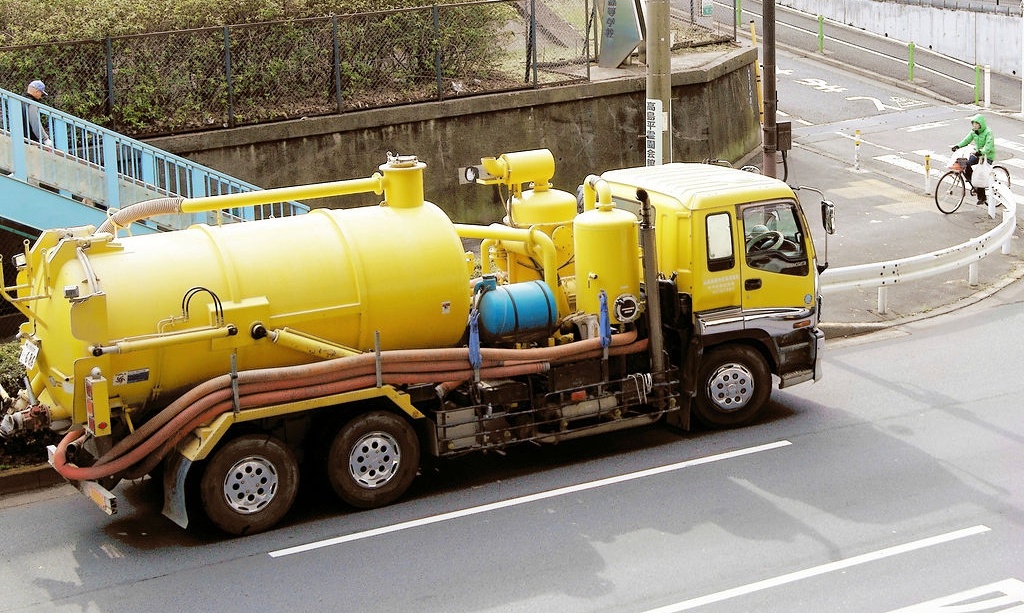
752 284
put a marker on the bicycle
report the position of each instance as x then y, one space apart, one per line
951 189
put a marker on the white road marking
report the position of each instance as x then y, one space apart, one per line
1009 144
862 141
901 162
512 502
996 595
750 588
878 103
927 126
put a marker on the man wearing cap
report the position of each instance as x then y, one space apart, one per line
33 127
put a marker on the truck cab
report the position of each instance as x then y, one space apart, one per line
736 249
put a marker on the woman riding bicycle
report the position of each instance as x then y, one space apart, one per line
985 143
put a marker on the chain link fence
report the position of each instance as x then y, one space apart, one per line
145 85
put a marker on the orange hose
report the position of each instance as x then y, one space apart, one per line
145 447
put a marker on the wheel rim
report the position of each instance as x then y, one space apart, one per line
374 459
250 485
731 387
949 192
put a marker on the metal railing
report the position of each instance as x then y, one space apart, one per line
883 275
105 170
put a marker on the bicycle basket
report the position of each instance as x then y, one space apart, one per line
959 164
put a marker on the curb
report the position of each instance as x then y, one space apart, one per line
28 478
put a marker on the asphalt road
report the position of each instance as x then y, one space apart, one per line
891 483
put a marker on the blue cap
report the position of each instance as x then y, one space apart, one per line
37 84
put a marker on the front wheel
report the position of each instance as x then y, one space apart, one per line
373 459
949 192
249 484
734 385
999 173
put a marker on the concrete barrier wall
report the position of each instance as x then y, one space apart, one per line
590 128
978 38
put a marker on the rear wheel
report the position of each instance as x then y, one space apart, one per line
373 459
949 192
249 484
734 386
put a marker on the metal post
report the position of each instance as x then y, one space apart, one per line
972 274
927 173
437 52
227 73
337 62
977 84
910 63
821 34
757 79
988 85
856 150
110 77
659 72
883 299
770 98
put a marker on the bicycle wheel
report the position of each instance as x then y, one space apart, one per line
949 192
1002 175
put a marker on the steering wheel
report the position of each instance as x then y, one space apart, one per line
766 241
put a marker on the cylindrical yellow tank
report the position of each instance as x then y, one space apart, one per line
338 275
608 258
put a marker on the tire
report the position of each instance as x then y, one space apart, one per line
949 192
373 459
249 484
734 385
999 173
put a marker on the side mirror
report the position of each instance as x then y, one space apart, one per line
828 216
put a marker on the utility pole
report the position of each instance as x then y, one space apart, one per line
768 79
659 83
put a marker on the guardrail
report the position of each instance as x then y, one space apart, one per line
103 169
883 275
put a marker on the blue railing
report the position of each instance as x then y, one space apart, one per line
105 170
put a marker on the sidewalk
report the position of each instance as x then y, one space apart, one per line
881 218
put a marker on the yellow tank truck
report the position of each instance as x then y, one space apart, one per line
346 344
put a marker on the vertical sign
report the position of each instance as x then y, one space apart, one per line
654 120
620 32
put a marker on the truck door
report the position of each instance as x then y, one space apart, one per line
775 265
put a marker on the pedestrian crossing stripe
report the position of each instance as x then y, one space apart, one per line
992 597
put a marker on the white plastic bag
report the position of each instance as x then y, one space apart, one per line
982 175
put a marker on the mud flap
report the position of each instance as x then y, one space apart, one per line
175 473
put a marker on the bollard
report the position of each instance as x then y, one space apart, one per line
821 34
988 85
927 173
977 84
856 150
910 64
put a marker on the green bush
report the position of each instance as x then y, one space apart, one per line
28 448
12 373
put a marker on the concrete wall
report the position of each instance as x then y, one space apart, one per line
590 128
979 38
